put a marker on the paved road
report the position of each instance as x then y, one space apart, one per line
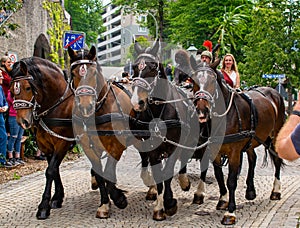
19 199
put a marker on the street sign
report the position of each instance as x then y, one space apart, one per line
270 76
74 39
13 57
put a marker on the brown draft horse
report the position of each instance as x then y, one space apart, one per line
103 109
171 116
253 118
44 101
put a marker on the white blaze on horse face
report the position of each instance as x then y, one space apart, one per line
202 77
17 88
135 99
139 99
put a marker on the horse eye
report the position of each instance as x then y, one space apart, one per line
28 89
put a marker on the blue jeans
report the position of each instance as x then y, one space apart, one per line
16 133
3 140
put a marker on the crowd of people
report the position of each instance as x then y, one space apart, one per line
10 131
3 15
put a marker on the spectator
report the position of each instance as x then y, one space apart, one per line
169 71
230 71
128 68
125 77
288 140
3 135
16 133
4 69
2 15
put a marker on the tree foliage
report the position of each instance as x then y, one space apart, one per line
271 45
10 6
192 22
86 17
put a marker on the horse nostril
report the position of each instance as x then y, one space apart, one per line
26 123
141 102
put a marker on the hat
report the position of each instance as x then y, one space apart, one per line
207 53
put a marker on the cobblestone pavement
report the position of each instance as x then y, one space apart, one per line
19 199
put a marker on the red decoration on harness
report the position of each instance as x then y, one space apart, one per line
142 65
83 70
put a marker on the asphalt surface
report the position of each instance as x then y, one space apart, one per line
19 199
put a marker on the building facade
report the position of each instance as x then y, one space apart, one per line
121 31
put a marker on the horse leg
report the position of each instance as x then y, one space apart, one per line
201 189
103 209
147 177
183 179
57 199
94 184
116 194
223 201
276 191
52 173
158 211
230 217
170 204
250 191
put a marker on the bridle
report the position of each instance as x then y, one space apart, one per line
211 98
84 90
202 93
141 82
32 103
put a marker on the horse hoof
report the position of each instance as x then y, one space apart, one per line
42 214
184 182
198 199
94 186
102 214
121 202
275 196
228 220
151 196
171 211
56 204
222 205
250 195
187 188
159 215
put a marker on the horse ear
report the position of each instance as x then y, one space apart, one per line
193 62
71 53
155 47
23 68
183 61
92 53
215 64
137 47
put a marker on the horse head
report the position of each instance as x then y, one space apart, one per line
36 84
205 83
88 80
23 92
79 62
148 76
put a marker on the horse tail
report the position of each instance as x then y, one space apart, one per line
270 149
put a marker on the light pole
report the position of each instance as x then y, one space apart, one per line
147 12
192 49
